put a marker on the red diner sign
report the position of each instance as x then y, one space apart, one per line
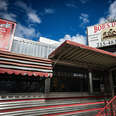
104 26
7 29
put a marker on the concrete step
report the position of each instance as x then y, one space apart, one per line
23 104
42 110
88 112
47 106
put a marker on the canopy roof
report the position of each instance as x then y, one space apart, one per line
72 53
13 63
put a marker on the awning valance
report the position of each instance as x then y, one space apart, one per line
24 73
72 53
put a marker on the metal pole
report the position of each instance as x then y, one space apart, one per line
90 83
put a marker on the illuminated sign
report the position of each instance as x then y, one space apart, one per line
102 35
7 29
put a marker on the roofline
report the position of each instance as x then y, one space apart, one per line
52 53
82 46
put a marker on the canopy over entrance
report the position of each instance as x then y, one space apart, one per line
75 54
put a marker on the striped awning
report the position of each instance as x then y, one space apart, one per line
72 53
12 63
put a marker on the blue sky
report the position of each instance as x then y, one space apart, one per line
56 19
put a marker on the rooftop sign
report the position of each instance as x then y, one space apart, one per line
7 29
102 35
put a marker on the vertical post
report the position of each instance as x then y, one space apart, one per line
47 85
111 83
90 83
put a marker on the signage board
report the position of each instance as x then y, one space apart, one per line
102 35
7 29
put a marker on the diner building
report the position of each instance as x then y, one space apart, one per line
36 66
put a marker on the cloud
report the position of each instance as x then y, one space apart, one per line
111 13
112 10
72 5
77 38
28 32
33 17
23 5
49 11
102 20
31 13
3 5
84 18
21 30
8 16
4 11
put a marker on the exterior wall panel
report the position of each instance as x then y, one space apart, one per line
32 48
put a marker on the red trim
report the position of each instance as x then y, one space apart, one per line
26 65
89 48
73 112
81 46
22 56
25 59
45 107
22 72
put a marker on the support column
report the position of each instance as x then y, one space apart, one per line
90 83
111 83
47 85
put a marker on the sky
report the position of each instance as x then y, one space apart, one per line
58 20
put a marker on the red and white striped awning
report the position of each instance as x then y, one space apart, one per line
72 53
12 63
